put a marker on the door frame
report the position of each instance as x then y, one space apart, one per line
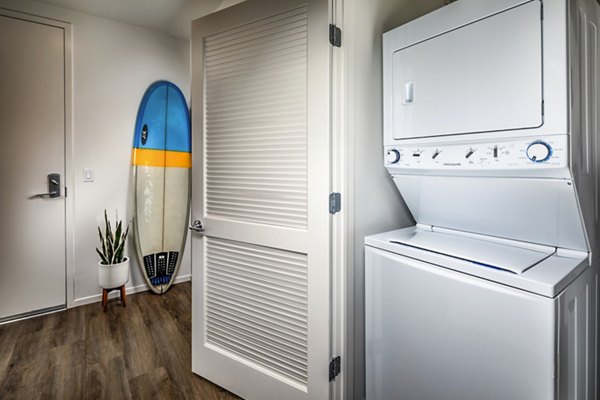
68 150
342 232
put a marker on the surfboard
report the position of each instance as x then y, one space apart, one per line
162 160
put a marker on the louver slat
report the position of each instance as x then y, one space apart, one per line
256 122
257 305
264 336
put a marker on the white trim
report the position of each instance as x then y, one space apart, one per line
346 116
69 165
34 17
130 290
340 235
95 299
39 314
68 151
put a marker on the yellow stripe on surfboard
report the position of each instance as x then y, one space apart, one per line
161 158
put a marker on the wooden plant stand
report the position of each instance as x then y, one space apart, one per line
105 293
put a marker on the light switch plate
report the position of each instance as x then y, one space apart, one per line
88 175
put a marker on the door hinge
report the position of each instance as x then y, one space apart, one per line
335 35
335 203
335 365
65 191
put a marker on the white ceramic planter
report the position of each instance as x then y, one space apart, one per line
113 276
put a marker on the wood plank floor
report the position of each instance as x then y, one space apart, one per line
142 351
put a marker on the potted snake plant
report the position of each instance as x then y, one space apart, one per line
113 267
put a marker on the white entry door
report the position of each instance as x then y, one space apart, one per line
261 179
32 146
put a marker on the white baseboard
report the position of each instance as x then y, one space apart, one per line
130 290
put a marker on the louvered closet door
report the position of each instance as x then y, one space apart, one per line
261 286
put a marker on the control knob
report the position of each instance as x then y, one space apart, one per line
539 151
392 156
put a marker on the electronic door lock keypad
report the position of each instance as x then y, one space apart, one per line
53 188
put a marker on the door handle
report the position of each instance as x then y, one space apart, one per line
53 188
196 226
409 92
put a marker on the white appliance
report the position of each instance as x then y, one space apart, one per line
490 133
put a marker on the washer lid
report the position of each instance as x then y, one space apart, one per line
534 268
485 253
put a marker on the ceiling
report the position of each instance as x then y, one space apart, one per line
170 16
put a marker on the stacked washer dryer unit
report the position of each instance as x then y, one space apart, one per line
491 136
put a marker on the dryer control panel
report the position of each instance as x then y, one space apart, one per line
529 153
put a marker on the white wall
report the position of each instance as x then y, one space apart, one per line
112 65
378 207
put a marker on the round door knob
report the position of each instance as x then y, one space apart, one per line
539 151
392 156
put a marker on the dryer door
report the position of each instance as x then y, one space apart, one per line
480 77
